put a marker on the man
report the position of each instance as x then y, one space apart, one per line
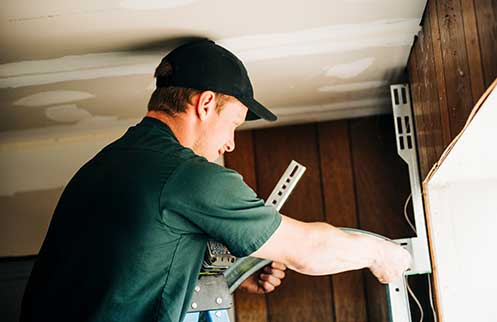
129 233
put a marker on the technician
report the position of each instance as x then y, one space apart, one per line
128 235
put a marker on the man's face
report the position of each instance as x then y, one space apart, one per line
219 132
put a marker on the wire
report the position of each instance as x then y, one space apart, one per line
405 213
411 293
431 301
415 300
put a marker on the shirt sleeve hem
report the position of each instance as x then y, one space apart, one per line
263 238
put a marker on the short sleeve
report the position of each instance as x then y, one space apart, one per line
203 197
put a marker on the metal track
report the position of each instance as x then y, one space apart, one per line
406 148
246 266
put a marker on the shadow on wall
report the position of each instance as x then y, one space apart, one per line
24 221
14 274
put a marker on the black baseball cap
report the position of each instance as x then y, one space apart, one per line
204 65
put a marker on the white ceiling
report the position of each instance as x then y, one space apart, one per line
72 67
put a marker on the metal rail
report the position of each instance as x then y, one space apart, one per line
406 148
246 266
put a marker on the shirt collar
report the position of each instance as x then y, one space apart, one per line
158 124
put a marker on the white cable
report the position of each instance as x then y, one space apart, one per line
431 300
415 300
405 213
429 280
411 293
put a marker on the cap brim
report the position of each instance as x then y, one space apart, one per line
256 110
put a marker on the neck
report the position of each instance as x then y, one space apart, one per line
182 125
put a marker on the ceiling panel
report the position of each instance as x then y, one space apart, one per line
70 66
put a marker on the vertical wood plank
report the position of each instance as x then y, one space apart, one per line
428 109
382 185
242 159
300 298
421 137
473 49
337 175
486 15
439 71
437 136
455 62
248 307
340 210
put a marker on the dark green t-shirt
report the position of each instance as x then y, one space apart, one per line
129 233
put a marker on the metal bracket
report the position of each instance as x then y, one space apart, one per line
285 185
211 293
406 148
398 301
246 266
397 296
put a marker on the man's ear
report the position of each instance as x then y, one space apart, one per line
206 104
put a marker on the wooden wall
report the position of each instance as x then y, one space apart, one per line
453 61
354 178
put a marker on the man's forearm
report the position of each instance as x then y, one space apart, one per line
320 249
329 250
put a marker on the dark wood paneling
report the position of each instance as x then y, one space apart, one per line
243 159
424 98
248 307
455 62
381 188
451 64
354 178
436 138
473 49
486 15
427 116
340 211
300 298
421 130
439 80
381 177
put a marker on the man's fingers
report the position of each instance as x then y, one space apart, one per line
268 287
275 272
278 265
392 262
271 279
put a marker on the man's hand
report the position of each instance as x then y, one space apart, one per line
265 280
391 263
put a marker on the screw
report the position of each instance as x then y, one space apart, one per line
194 305
219 300
197 288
